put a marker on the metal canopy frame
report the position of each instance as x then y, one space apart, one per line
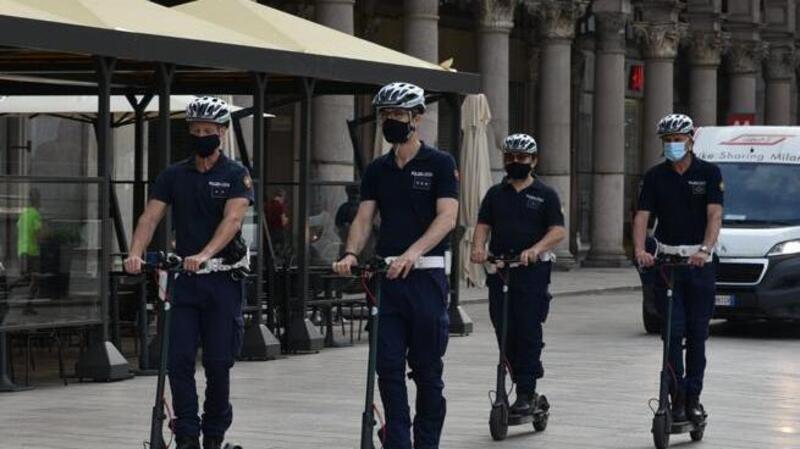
50 58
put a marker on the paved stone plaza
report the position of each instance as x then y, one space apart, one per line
600 371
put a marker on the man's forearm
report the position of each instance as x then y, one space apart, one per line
480 236
712 229
142 236
357 236
224 233
639 232
438 230
550 240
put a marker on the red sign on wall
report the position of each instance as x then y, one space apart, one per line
741 119
636 78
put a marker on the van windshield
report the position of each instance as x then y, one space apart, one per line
761 194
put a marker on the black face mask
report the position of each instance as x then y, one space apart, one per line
518 171
395 131
204 146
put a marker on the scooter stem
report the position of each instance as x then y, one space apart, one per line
665 379
158 416
368 417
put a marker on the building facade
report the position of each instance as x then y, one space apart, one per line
588 79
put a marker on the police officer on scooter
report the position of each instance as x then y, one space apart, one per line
209 195
685 194
414 187
524 217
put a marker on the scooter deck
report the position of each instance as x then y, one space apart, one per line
686 427
516 420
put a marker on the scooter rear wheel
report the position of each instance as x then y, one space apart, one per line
498 422
661 427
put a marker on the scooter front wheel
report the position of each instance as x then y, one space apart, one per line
498 422
231 446
542 414
661 426
697 435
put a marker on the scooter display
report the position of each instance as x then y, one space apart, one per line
501 416
663 426
166 267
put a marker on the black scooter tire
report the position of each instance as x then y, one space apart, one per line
498 422
540 424
231 446
697 435
540 421
661 427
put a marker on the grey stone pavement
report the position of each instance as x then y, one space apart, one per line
601 368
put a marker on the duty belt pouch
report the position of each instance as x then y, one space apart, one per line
234 251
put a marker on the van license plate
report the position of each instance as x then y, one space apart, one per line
725 300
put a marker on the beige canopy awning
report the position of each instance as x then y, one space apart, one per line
289 32
211 42
137 16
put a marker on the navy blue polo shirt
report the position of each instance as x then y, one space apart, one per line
679 201
198 199
519 219
406 198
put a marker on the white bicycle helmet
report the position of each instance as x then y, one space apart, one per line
675 124
208 109
520 143
401 96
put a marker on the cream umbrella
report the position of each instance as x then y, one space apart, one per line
476 176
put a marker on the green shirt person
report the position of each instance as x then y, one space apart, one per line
29 224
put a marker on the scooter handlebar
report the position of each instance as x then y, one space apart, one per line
162 261
671 260
374 265
505 260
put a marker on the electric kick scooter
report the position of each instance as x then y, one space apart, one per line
375 268
501 416
663 426
166 267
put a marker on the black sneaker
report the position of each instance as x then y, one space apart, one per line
524 404
694 410
210 442
679 406
187 442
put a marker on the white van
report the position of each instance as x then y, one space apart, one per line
759 246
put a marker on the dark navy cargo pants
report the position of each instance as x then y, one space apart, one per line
413 327
693 304
206 312
529 304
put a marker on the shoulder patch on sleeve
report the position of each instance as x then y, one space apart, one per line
247 181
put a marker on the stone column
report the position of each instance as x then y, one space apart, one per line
557 25
780 69
421 37
332 151
704 57
743 64
608 143
660 44
496 22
